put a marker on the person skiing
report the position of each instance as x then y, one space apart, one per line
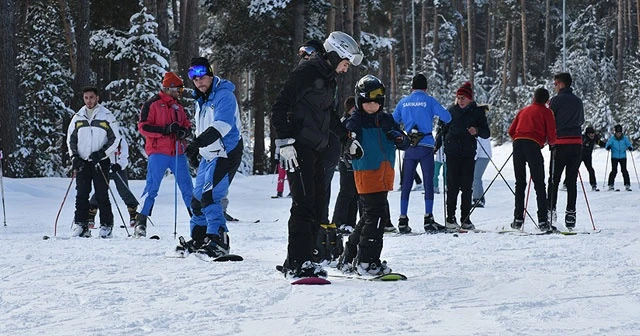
417 112
92 136
120 160
439 161
165 126
589 141
618 144
567 153
468 121
218 142
373 139
303 116
282 176
531 128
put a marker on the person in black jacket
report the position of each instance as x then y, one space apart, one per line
589 141
303 117
469 121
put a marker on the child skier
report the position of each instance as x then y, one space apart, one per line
618 144
373 138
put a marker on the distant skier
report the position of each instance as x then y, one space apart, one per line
589 141
618 144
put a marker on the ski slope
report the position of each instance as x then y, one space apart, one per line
473 284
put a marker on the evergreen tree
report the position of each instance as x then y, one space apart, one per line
45 82
147 57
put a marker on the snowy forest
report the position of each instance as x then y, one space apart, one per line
506 48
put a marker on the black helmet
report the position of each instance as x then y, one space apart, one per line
369 88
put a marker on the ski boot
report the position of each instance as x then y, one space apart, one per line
80 229
403 224
430 225
140 229
92 217
106 230
517 224
133 214
570 219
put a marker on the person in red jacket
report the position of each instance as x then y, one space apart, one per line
165 126
532 127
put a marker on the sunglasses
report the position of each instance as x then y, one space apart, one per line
374 94
198 71
177 89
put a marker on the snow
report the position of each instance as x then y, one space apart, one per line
474 284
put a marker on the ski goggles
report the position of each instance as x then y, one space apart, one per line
198 71
176 89
306 51
374 94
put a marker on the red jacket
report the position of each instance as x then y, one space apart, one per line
534 122
158 112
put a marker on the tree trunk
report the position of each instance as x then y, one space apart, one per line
620 46
513 80
505 61
258 111
8 84
188 45
489 42
392 66
176 15
407 41
523 18
547 33
331 16
163 22
638 22
436 31
68 32
470 35
424 27
298 27
83 53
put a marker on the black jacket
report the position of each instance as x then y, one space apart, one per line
305 109
589 144
569 113
457 140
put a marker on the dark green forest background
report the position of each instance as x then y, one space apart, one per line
506 48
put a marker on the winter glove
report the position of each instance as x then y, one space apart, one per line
97 156
607 148
355 150
171 128
288 154
183 133
192 151
394 135
415 136
77 163
116 167
630 149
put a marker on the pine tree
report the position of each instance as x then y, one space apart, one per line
45 82
147 57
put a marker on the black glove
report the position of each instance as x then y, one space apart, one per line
171 128
354 150
116 167
630 149
97 156
394 135
192 152
415 138
77 163
183 133
607 148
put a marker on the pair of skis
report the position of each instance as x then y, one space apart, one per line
322 281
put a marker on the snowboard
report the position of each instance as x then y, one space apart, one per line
307 280
393 276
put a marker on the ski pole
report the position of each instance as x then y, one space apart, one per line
526 203
126 186
55 225
99 167
632 160
175 195
606 165
586 199
552 185
4 211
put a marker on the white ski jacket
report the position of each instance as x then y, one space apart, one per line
85 135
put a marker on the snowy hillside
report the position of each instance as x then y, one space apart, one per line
474 284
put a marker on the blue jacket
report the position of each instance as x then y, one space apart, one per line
373 172
218 121
416 111
618 147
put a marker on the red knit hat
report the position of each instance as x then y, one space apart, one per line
171 80
465 90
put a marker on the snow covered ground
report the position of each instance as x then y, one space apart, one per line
474 284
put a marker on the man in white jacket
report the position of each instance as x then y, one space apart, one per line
91 137
119 162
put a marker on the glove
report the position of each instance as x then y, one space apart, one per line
116 167
607 148
355 149
192 151
77 163
171 128
183 133
288 154
394 135
630 149
415 137
97 156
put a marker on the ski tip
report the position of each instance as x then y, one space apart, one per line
256 221
45 237
392 277
155 237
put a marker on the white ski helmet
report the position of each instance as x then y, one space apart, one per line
344 46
